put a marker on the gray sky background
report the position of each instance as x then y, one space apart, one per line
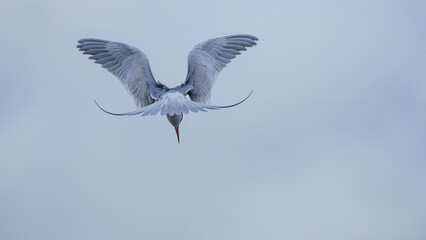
331 145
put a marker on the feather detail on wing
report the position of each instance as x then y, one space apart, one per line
208 58
127 63
173 103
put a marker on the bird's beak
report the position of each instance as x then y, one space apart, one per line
177 132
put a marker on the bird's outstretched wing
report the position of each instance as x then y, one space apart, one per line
127 63
208 58
173 103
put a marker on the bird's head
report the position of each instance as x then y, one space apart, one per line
175 121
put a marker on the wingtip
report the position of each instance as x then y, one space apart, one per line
252 37
92 40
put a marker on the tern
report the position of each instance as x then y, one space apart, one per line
131 66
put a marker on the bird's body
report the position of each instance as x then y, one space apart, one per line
131 67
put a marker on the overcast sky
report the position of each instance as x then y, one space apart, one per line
331 145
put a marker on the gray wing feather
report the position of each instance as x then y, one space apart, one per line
208 58
127 63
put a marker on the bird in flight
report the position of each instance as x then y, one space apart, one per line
131 67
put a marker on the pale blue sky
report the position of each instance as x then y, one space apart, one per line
331 145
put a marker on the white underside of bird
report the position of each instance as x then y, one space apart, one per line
172 103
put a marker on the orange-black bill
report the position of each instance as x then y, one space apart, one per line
177 132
